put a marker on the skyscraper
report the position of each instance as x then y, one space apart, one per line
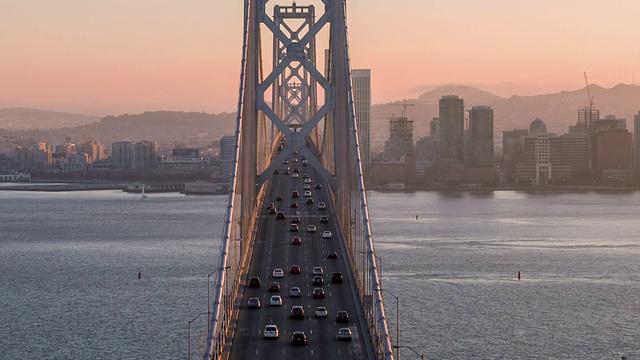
227 147
481 136
144 155
122 154
362 101
451 128
586 119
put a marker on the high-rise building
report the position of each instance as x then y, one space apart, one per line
451 129
400 138
144 155
227 150
636 142
94 149
122 155
586 119
611 150
362 100
481 136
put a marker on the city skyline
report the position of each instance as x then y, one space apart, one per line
122 57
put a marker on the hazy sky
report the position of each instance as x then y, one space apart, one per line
126 56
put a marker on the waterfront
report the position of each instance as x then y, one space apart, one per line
69 263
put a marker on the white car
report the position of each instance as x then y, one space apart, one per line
321 311
271 332
278 273
318 270
295 175
304 187
312 228
307 193
322 206
276 300
307 180
344 334
327 234
295 292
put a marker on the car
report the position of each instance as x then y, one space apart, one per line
297 312
274 286
295 160
254 303
296 152
295 219
295 194
318 280
324 220
296 170
309 201
305 175
271 205
285 162
286 172
342 316
294 205
270 332
294 227
307 181
318 270
279 198
337 278
295 269
332 255
272 211
276 172
295 175
285 168
307 193
322 206
305 162
344 334
277 273
312 228
318 186
318 293
276 300
322 312
254 282
306 187
280 215
299 338
295 292
296 240
327 234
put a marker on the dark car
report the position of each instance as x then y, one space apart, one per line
324 219
254 303
295 194
293 227
272 211
297 312
332 255
336 278
295 219
296 240
296 170
279 198
310 201
270 205
276 172
318 293
318 280
295 269
318 186
342 316
286 172
280 215
254 282
274 286
294 205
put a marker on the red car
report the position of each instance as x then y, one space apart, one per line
296 240
295 269
318 293
342 316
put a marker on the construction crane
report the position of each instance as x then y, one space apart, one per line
404 106
591 103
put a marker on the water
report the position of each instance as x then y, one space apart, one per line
69 265
455 272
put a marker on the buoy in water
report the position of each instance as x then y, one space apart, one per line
416 217
519 275
139 274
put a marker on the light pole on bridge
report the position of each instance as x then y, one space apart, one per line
209 293
190 321
397 347
410 348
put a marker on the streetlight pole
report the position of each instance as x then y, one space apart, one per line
410 348
190 321
397 347
209 293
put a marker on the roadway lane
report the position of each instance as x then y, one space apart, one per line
273 249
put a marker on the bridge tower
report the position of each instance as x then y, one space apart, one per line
313 112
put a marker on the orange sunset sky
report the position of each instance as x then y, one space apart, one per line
103 57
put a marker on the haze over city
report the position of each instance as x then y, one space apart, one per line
119 56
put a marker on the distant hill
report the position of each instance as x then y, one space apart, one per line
18 118
165 127
558 110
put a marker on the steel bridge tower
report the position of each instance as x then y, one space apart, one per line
313 111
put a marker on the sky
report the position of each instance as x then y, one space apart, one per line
101 57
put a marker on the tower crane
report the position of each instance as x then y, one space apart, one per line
588 92
404 106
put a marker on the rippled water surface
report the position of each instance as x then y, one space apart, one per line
69 265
